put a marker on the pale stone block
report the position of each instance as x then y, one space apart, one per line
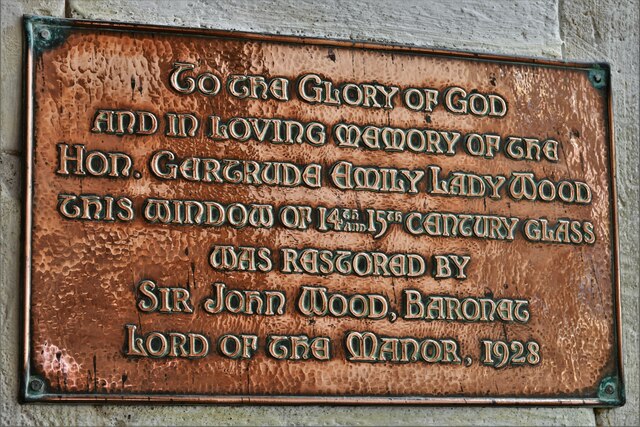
11 64
523 28
608 31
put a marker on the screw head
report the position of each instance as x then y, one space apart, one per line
609 389
45 34
597 78
36 385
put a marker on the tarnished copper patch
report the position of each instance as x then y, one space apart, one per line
242 218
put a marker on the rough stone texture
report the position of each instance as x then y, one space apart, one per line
462 24
600 30
11 66
608 32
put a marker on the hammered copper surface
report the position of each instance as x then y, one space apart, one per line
83 274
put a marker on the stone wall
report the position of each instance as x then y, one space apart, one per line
588 30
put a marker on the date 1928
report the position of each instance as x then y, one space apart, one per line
499 354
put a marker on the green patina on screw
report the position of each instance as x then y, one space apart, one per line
45 34
36 385
598 78
609 391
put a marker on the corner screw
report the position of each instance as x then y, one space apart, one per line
45 34
609 389
36 385
597 78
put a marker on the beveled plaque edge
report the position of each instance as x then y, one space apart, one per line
33 388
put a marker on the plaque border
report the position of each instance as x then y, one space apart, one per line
611 392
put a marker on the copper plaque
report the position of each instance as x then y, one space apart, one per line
241 218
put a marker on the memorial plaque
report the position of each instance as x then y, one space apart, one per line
238 218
